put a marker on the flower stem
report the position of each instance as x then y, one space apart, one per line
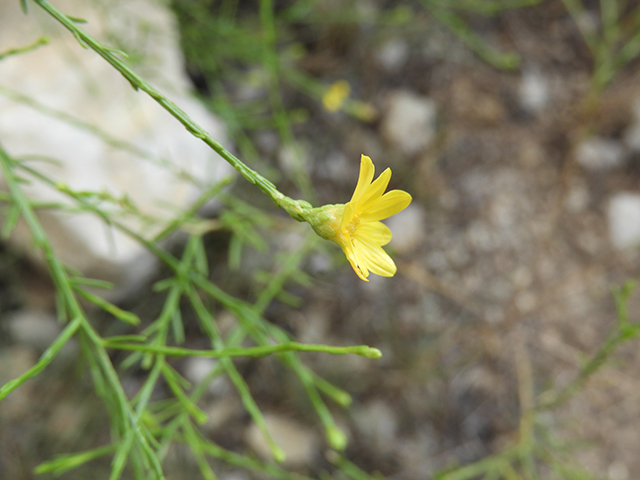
292 207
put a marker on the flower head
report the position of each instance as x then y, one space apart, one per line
336 95
356 226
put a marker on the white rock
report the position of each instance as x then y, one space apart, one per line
33 328
297 440
409 123
617 470
393 54
76 81
408 229
624 219
588 22
198 368
600 154
534 91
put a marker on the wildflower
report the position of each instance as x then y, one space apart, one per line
356 225
335 95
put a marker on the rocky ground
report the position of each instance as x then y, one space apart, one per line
526 214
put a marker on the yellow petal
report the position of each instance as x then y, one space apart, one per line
374 192
360 261
375 258
377 232
364 180
389 204
347 215
356 268
346 243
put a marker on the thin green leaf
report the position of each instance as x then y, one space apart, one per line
64 463
201 263
504 61
177 327
235 252
127 317
92 282
11 221
46 358
174 384
32 46
260 351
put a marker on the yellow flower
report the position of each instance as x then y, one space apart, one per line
335 95
358 229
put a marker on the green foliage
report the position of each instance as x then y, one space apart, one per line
256 51
135 441
448 12
17 51
614 44
143 430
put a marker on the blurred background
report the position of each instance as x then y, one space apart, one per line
515 126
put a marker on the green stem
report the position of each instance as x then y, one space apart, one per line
251 321
291 206
261 351
209 326
65 288
272 67
17 51
46 358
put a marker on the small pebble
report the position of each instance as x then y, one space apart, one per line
624 219
534 91
393 54
600 154
33 328
198 368
297 440
409 123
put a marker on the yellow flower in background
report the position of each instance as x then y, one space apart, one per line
356 226
335 95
